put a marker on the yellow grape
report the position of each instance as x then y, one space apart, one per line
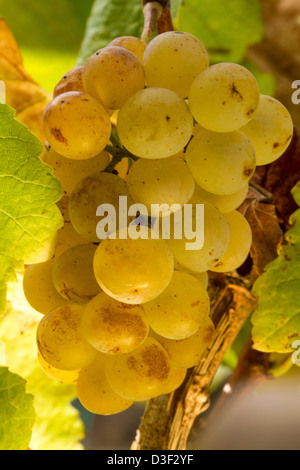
132 44
203 277
73 274
221 163
76 125
39 289
113 327
133 271
71 81
225 203
270 130
224 97
94 392
61 341
142 374
239 243
155 123
176 379
112 75
173 60
181 308
63 376
70 171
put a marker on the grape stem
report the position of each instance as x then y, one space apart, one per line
118 153
157 19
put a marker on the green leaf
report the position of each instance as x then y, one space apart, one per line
29 218
225 28
111 19
17 413
276 322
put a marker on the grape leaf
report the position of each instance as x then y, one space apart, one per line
17 414
276 322
226 28
29 218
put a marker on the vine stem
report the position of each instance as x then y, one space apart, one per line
157 19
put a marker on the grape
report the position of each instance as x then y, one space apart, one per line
132 44
176 379
181 308
112 75
113 327
270 131
224 97
216 239
155 123
71 81
70 172
186 353
95 393
164 182
203 277
173 60
61 341
141 374
63 376
76 125
239 243
225 203
39 289
73 274
221 163
133 271
91 192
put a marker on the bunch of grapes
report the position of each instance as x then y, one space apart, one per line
125 317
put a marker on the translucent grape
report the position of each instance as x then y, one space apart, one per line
141 374
155 123
133 271
216 239
39 289
203 277
186 353
165 182
221 163
225 203
132 44
270 131
112 75
224 97
176 379
60 339
113 327
71 81
173 60
63 376
181 308
95 393
88 195
239 243
76 125
73 274
70 172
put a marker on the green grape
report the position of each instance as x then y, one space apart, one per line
88 195
70 172
155 123
176 379
225 203
132 44
113 327
39 289
141 374
173 60
224 97
73 274
221 163
76 125
270 131
112 75
63 376
186 353
61 341
181 308
94 392
164 182
71 81
133 271
216 239
239 243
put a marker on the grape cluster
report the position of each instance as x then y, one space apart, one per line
125 317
